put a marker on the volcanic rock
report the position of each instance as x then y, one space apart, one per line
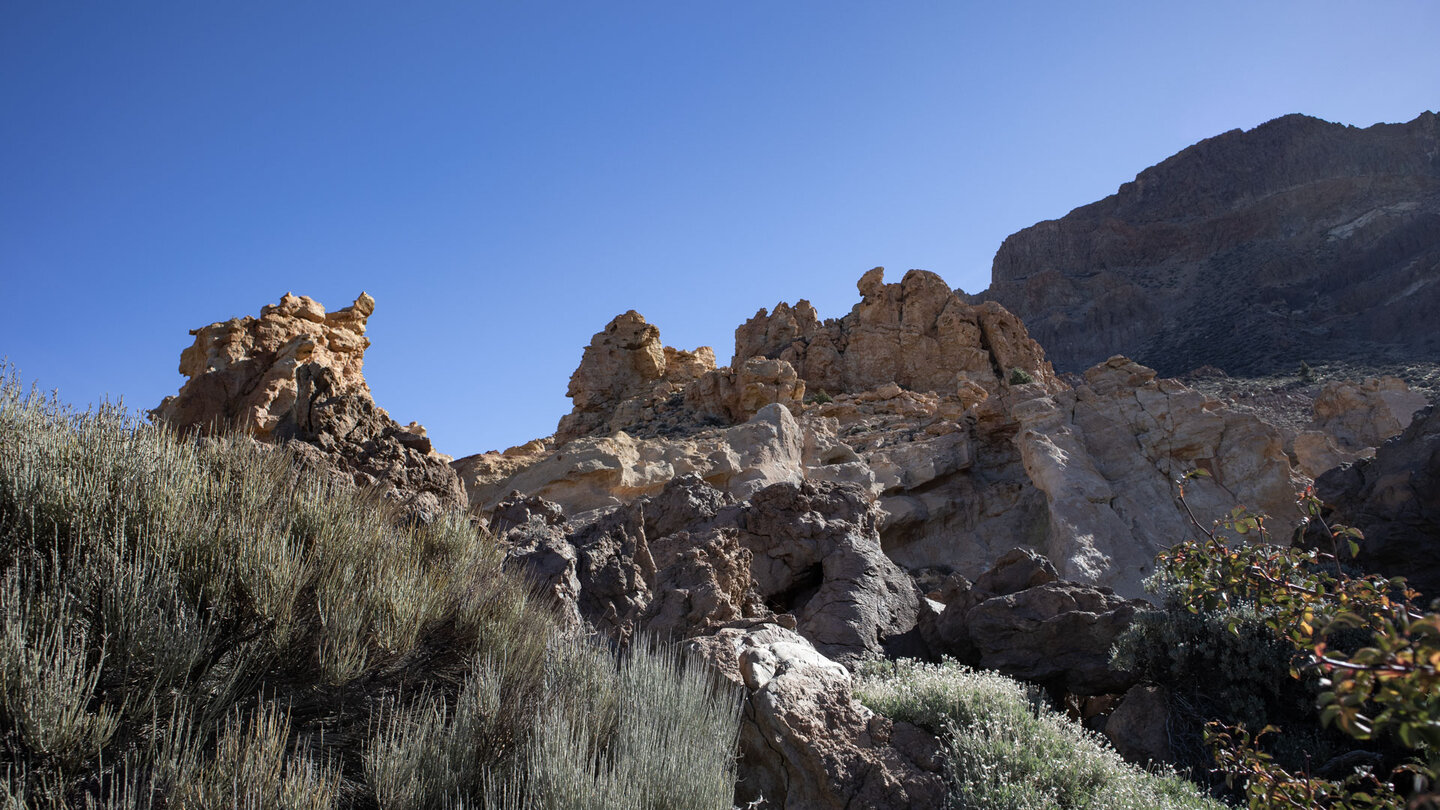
1139 728
917 334
817 555
241 372
1020 619
922 411
664 565
805 742
1394 499
1250 251
689 559
294 376
1352 419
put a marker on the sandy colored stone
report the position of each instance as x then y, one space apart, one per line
918 334
241 372
1352 418
961 472
294 376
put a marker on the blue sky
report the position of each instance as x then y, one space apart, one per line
506 177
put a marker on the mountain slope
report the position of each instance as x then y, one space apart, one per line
1251 251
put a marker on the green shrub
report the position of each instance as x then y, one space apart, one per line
1229 664
197 624
1006 750
1019 376
1364 658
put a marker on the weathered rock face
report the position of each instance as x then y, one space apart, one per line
805 742
691 563
1139 726
689 559
294 376
917 334
817 555
624 374
1250 251
1106 455
962 473
595 472
1019 618
1352 419
666 565
1394 499
242 371
348 434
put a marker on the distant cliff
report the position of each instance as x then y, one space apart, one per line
1250 251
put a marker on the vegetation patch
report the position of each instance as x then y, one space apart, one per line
1007 751
193 623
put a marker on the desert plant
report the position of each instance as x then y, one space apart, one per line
618 753
1006 750
198 623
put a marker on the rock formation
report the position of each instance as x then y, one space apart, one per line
786 538
690 558
1021 619
805 742
1394 499
1250 251
916 334
294 376
1352 419
924 411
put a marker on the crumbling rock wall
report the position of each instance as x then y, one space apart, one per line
917 334
294 376
923 411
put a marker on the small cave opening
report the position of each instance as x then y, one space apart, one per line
804 586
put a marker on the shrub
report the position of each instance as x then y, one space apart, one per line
1019 376
1364 656
198 624
1006 750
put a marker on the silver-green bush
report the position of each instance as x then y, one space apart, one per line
195 623
1007 751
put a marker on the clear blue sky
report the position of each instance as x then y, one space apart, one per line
505 177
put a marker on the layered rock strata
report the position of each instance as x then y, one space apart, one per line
1250 251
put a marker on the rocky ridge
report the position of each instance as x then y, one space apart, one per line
1250 251
294 377
946 413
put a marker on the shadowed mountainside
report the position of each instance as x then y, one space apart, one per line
1250 251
